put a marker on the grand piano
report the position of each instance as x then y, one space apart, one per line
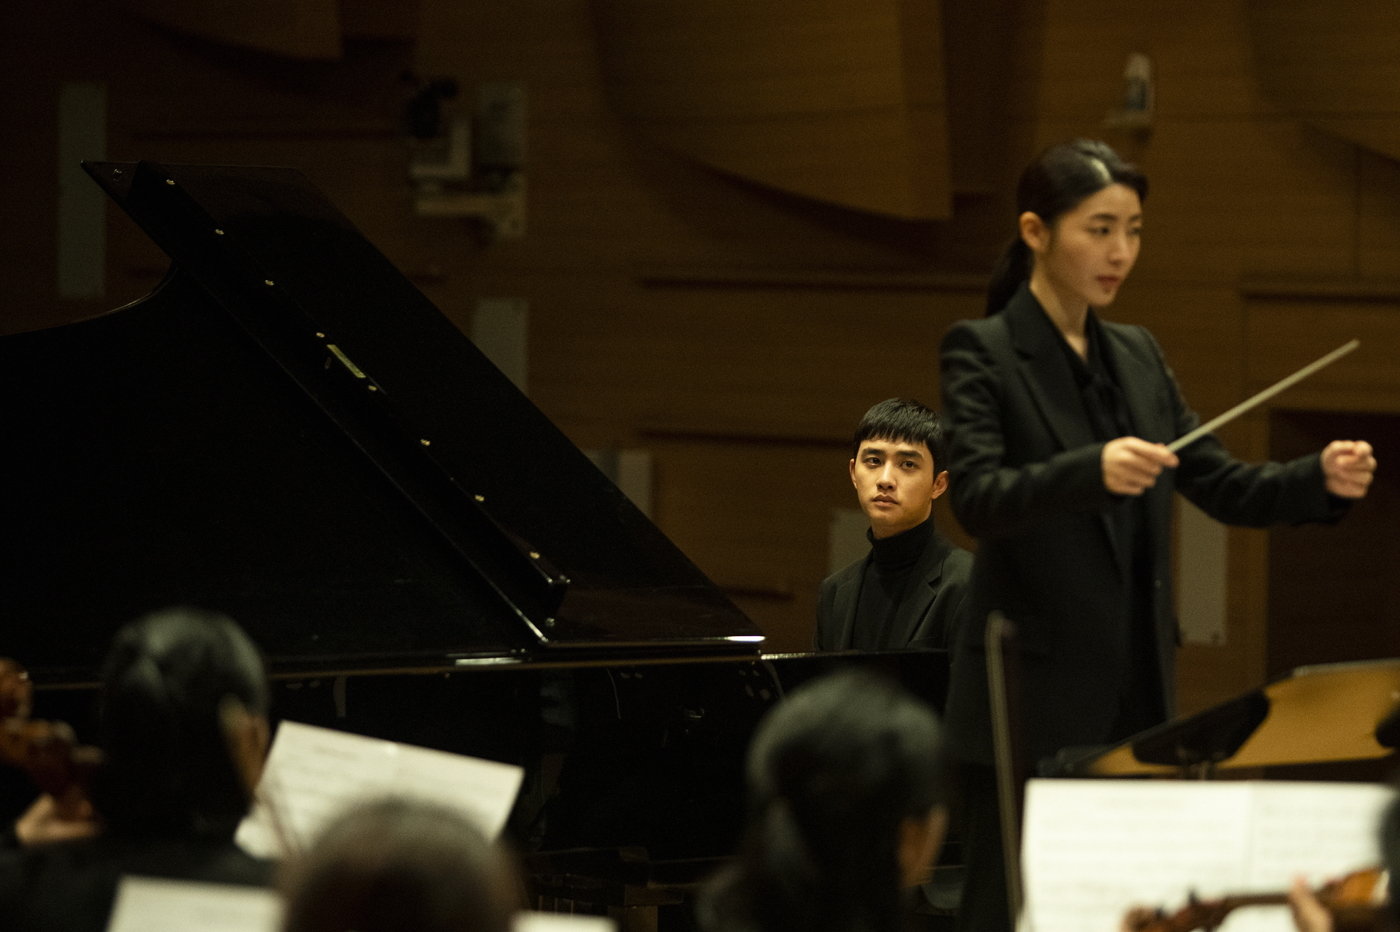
288 431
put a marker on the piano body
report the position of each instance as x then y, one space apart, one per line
288 431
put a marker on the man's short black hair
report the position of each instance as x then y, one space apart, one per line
903 419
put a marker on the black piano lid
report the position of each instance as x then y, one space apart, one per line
287 430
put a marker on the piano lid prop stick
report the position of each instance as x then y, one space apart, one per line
1286 382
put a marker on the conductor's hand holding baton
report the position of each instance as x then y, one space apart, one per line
1131 465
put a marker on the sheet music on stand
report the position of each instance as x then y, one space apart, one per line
1094 848
153 904
313 773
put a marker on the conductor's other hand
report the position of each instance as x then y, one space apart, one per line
1349 466
1131 465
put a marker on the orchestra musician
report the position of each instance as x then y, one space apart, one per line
847 810
183 729
392 865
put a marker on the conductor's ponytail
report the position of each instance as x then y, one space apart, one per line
1013 268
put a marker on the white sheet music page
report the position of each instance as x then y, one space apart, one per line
1091 849
313 773
530 921
150 904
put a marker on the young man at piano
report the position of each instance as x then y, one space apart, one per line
908 590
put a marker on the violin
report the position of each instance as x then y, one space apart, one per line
47 751
1355 901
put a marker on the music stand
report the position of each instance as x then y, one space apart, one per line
1313 714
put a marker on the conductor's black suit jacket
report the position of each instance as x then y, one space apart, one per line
1027 482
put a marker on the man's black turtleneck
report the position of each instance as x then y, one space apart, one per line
884 585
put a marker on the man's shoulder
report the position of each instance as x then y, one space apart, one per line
958 562
948 552
828 630
955 553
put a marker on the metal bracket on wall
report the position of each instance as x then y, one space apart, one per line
475 168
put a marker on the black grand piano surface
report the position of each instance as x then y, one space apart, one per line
288 431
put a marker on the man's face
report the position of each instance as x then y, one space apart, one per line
896 482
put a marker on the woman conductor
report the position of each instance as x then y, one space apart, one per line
1059 424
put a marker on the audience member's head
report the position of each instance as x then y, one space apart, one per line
397 865
173 766
846 783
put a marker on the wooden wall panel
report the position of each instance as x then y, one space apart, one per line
306 29
1200 55
1334 65
1334 593
1378 217
1247 197
984 46
841 101
1285 332
788 363
1199 52
29 274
